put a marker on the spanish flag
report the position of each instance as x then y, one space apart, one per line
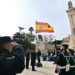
43 27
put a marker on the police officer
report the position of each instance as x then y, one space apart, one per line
27 58
66 61
11 57
63 60
33 60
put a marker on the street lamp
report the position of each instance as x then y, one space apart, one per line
20 29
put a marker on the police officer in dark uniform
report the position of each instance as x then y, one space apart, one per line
66 61
33 60
27 58
62 60
11 57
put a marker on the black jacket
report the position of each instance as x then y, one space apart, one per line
11 63
61 61
27 55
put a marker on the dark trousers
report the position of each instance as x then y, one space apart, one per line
33 67
27 63
39 60
33 63
63 72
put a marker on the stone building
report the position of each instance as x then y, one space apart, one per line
71 15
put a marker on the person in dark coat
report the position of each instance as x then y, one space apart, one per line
27 58
33 60
11 57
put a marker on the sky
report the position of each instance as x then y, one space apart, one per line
25 13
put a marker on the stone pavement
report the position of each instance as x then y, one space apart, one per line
47 69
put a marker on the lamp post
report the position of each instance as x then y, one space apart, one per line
20 29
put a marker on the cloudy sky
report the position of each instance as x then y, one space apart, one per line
25 13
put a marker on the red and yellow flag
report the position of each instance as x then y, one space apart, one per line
43 27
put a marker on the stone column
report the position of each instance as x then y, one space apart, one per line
71 15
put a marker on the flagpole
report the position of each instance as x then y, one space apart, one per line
36 34
55 48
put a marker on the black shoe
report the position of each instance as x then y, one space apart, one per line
54 63
33 70
27 68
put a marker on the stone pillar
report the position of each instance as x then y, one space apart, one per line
71 15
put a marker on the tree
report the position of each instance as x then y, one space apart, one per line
25 40
30 37
57 41
48 39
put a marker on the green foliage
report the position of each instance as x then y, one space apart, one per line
32 46
25 40
57 42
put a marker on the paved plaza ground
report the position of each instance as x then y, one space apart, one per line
47 69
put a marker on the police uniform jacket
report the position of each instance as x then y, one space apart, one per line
11 63
64 59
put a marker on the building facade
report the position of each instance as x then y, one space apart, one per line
71 15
